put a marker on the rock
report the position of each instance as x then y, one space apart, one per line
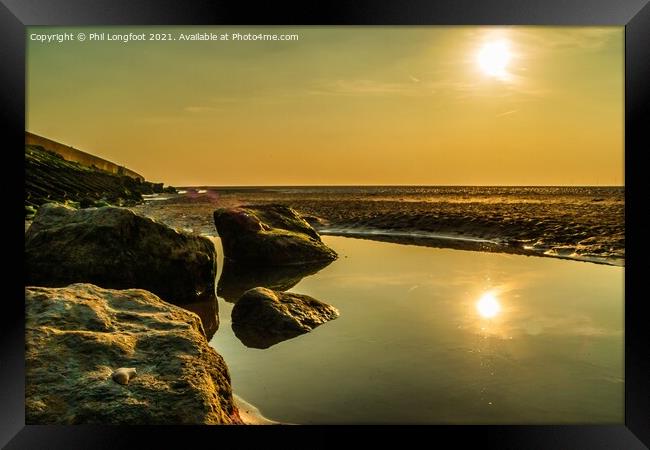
49 177
115 248
30 211
76 335
315 221
208 312
124 374
238 278
269 235
263 317
284 218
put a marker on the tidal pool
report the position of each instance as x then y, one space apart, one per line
437 336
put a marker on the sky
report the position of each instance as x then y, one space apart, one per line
339 105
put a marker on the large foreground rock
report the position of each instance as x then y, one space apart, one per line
263 317
78 335
115 248
272 235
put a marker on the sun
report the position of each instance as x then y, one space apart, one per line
493 58
488 306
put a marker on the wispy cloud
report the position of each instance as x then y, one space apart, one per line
410 87
459 89
548 39
507 113
585 38
364 87
221 104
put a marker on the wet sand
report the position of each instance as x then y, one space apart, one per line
578 223
250 415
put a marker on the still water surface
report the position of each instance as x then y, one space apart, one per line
437 336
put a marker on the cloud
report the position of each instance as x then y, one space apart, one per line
458 89
581 38
367 87
364 87
547 38
507 113
224 103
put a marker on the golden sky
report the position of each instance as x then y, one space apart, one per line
341 105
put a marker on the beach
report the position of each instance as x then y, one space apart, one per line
581 223
338 226
420 335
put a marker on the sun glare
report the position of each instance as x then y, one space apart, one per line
488 306
493 58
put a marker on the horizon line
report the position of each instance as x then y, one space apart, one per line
391 185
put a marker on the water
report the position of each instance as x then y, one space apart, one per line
411 346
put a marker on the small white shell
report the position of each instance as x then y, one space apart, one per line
123 375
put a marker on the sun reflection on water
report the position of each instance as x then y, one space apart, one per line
488 306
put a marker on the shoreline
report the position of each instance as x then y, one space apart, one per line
458 243
565 228
251 415
403 237
176 216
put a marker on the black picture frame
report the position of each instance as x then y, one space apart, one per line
15 15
